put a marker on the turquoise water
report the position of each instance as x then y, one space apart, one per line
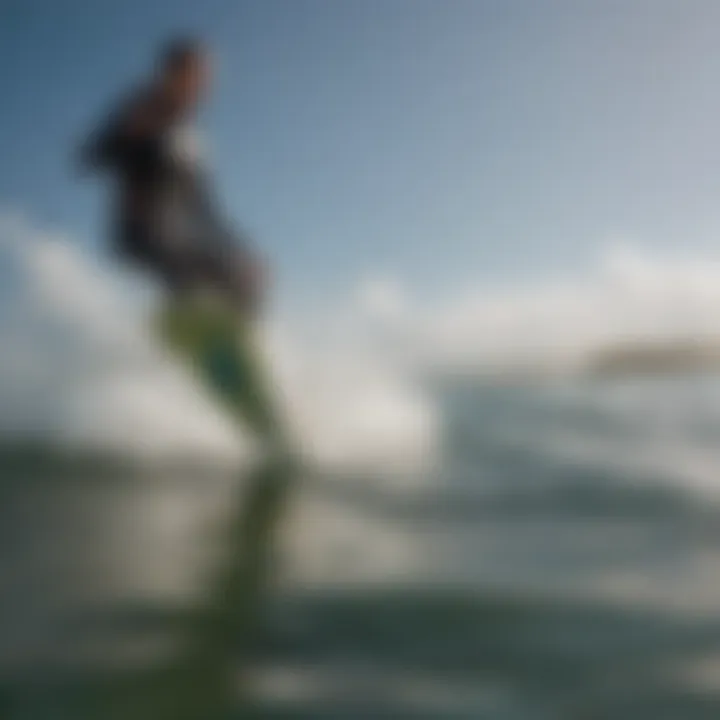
559 560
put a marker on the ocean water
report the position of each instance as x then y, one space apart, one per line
557 560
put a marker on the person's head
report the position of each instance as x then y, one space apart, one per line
184 67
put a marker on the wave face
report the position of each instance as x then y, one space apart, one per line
559 558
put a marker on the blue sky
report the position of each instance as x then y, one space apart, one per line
443 142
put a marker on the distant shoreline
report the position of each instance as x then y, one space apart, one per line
667 357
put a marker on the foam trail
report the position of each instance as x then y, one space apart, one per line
82 369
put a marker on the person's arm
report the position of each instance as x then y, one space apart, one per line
138 123
249 265
226 233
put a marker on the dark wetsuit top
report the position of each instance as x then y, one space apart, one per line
165 218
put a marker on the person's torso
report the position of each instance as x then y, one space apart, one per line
158 176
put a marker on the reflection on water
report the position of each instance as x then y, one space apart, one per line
517 584
204 677
83 646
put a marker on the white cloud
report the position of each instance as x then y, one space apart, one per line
627 295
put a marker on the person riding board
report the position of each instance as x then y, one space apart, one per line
166 220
